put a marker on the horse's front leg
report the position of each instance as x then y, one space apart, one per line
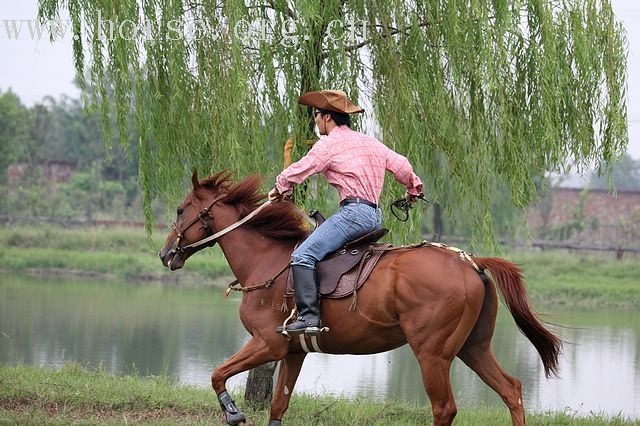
289 370
253 354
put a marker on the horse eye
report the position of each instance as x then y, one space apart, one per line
180 211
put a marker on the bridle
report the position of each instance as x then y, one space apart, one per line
202 216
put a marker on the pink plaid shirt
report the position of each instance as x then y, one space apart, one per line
353 163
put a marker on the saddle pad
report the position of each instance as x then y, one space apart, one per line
347 282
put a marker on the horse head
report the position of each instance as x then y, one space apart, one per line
194 220
216 206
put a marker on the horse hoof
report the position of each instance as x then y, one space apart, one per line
236 420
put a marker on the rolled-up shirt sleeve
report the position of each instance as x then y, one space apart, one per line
403 172
315 161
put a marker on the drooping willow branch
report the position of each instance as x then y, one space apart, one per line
484 98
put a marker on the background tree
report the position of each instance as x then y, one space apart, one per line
55 135
477 94
13 129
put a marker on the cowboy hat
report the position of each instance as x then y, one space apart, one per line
330 100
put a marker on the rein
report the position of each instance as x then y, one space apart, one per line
235 285
222 232
400 207
202 214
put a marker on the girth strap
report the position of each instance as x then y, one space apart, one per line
314 344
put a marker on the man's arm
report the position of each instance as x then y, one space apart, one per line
403 173
315 161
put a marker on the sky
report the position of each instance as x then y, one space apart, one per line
34 68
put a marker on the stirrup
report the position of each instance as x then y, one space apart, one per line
314 331
309 331
300 322
283 330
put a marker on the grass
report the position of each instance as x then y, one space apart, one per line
556 278
104 251
580 280
75 395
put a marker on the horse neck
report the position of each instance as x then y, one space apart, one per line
252 257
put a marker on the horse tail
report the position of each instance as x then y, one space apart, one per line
508 278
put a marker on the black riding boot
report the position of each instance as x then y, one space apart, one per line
307 302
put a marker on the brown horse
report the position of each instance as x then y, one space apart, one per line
428 297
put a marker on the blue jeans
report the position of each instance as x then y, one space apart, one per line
350 222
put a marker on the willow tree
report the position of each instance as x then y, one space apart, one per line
476 94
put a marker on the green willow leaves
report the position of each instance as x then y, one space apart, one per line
478 95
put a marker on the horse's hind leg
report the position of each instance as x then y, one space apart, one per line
436 378
483 362
477 354
435 354
290 368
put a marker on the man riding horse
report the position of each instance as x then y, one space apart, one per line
354 164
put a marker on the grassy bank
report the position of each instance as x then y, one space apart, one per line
75 395
102 251
560 278
555 278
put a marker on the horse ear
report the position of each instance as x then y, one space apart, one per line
194 179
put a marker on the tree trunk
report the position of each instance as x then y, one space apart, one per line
438 226
260 386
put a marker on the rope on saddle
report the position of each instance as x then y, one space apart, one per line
236 286
424 243
463 254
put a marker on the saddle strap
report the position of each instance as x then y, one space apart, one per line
354 298
424 243
463 254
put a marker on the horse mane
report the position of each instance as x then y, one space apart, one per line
281 220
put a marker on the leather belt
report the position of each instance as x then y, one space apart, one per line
350 200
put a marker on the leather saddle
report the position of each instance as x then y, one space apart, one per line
338 263
342 261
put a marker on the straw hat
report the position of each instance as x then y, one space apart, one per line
330 100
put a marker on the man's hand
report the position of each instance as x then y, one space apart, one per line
274 195
411 199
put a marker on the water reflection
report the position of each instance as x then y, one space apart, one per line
186 332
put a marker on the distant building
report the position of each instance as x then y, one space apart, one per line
587 215
52 171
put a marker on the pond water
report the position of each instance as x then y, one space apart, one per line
184 333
